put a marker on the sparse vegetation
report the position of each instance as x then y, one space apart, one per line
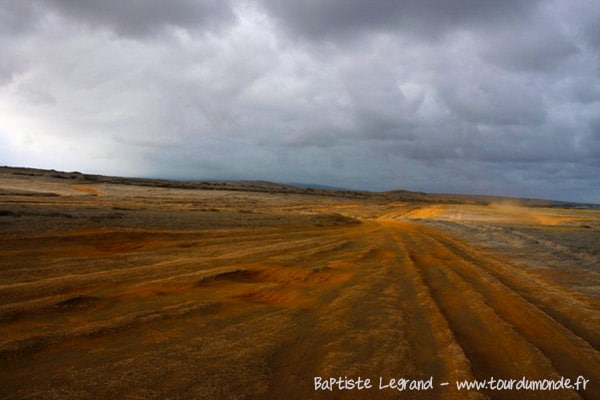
158 289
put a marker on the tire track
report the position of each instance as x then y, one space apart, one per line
383 298
502 333
566 306
435 349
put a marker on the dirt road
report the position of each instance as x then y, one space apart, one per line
181 301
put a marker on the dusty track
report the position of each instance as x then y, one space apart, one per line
258 312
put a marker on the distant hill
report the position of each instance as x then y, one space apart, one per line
291 188
315 186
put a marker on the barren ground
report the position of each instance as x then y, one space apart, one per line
121 291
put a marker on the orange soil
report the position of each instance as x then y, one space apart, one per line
87 189
259 312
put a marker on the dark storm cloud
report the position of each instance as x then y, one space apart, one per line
340 19
497 97
495 102
592 32
529 50
595 127
143 17
17 16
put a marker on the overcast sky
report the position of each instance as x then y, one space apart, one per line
467 96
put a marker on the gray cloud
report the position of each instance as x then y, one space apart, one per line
17 16
467 96
535 50
142 17
341 19
495 102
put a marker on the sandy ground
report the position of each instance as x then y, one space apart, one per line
114 291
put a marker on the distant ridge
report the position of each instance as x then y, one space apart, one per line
315 186
262 186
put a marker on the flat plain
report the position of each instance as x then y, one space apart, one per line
139 289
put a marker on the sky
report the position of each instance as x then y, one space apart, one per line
455 96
